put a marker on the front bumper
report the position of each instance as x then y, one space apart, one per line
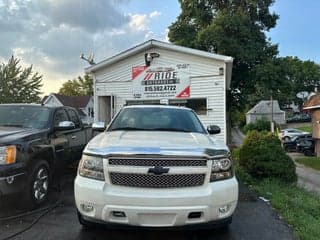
12 179
213 202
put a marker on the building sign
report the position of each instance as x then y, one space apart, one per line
161 82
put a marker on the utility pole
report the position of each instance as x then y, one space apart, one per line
271 118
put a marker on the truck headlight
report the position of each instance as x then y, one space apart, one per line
221 169
91 167
8 154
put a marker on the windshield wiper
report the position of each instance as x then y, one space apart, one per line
170 129
129 128
12 125
151 129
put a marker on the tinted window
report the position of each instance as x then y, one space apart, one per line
156 118
74 117
24 116
199 105
60 116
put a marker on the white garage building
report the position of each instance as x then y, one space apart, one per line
157 72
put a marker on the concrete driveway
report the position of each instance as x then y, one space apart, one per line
307 177
253 219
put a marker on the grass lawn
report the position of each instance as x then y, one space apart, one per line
297 207
312 162
305 128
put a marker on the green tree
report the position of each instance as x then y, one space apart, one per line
81 86
283 78
273 78
305 75
17 84
229 27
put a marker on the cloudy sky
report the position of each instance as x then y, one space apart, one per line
51 34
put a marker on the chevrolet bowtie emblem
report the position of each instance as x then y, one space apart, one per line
158 170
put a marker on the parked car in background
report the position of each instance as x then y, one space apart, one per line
299 118
306 146
156 166
34 142
289 133
293 144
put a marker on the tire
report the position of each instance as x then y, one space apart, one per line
85 224
287 139
38 185
224 228
286 149
308 153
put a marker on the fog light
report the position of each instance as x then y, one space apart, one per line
118 214
194 215
87 207
225 208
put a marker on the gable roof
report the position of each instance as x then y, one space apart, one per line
71 101
313 102
44 99
263 107
155 43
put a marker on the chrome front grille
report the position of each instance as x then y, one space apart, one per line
156 181
152 162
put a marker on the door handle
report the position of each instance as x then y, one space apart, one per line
73 137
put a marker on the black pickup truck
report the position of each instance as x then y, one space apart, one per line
34 141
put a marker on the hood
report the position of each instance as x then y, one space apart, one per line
12 134
155 142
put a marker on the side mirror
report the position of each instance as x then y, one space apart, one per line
65 125
213 129
99 126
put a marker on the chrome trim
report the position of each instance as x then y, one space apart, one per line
164 161
144 170
186 152
220 156
12 176
141 176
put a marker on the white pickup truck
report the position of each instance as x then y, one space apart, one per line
156 166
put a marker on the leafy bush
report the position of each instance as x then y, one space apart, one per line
241 174
259 125
238 118
262 156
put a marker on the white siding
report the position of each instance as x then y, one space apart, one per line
121 90
88 119
52 101
211 88
204 77
122 70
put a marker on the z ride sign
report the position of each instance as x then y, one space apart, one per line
157 82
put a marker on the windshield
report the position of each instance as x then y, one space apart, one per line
24 116
157 119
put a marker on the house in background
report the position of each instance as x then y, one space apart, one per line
83 104
263 111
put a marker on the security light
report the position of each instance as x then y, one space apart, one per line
148 57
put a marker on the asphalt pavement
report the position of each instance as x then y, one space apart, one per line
253 219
